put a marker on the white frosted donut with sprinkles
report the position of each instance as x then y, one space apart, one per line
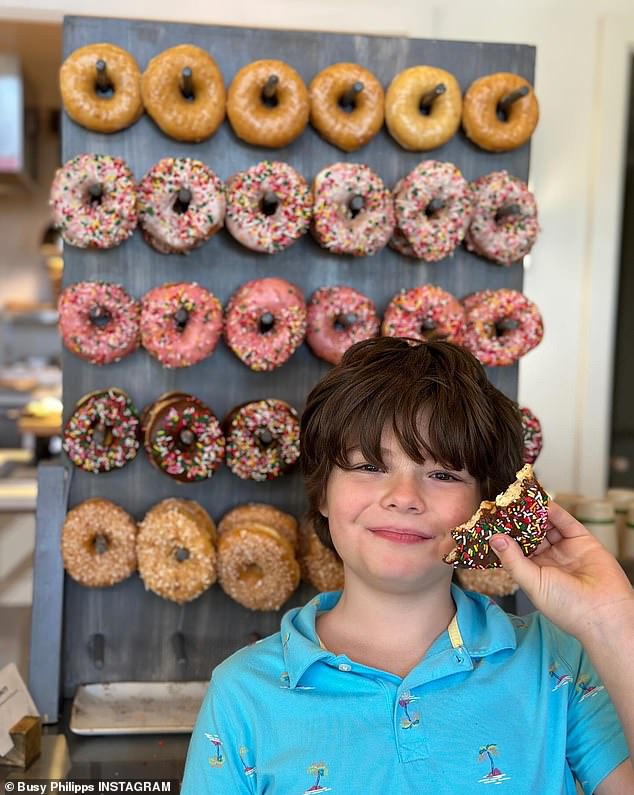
181 204
180 323
504 225
533 437
262 439
426 312
433 206
502 326
93 201
269 206
353 212
337 317
265 322
99 321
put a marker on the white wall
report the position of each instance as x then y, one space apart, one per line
577 151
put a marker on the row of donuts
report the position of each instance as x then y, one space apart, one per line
266 320
268 104
256 553
181 203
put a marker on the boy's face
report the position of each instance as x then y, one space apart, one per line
391 526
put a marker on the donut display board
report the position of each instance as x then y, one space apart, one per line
137 626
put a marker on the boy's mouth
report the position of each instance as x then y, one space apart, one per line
401 535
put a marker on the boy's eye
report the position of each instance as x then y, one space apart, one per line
443 476
366 468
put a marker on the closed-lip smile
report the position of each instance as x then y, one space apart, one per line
400 534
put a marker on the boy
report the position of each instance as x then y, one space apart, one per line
402 683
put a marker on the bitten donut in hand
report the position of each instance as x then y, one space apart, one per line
426 312
184 93
520 512
101 87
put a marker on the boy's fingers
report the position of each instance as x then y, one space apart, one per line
525 573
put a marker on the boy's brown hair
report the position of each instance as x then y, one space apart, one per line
405 384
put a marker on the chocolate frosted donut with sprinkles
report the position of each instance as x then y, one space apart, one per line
269 206
182 437
353 212
180 323
93 201
426 312
99 321
181 205
533 439
262 439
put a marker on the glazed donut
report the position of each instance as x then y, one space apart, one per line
180 323
426 312
175 548
492 582
319 566
532 430
500 111
257 566
347 105
99 543
93 201
337 317
265 322
262 439
423 107
502 325
260 513
102 433
432 208
101 87
98 321
181 205
353 212
184 93
267 104
182 437
269 206
504 223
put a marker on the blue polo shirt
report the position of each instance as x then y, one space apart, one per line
497 699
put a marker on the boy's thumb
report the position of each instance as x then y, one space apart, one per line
522 570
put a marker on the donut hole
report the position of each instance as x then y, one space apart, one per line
344 321
269 203
102 434
266 323
426 102
99 316
186 438
104 88
507 213
434 207
182 201
264 437
347 101
268 95
186 85
181 318
356 205
100 543
250 574
505 104
181 554
505 325
430 331
95 193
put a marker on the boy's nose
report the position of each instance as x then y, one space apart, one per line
403 494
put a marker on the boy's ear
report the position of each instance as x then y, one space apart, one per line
323 507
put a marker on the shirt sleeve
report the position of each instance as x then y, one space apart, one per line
218 762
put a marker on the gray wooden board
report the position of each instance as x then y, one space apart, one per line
138 625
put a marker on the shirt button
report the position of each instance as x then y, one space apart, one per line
345 667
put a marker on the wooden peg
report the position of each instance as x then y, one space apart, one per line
348 99
187 83
269 89
102 79
178 644
428 99
505 103
96 649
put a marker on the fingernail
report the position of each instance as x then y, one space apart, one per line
499 541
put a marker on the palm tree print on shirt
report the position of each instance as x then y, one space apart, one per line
561 680
319 770
409 721
218 760
249 770
495 775
588 690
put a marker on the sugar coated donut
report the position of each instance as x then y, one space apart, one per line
93 201
269 206
257 566
261 513
101 87
102 433
175 548
347 105
426 312
504 223
184 93
182 437
432 207
533 439
99 543
180 323
520 512
267 104
265 322
99 321
181 204
492 582
353 212
502 326
337 317
262 439
319 566
500 111
423 107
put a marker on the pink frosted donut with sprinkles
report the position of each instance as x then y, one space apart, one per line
102 433
93 201
337 317
269 206
504 223
98 321
181 205
265 322
432 206
533 438
180 323
182 437
502 326
426 312
262 439
353 212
